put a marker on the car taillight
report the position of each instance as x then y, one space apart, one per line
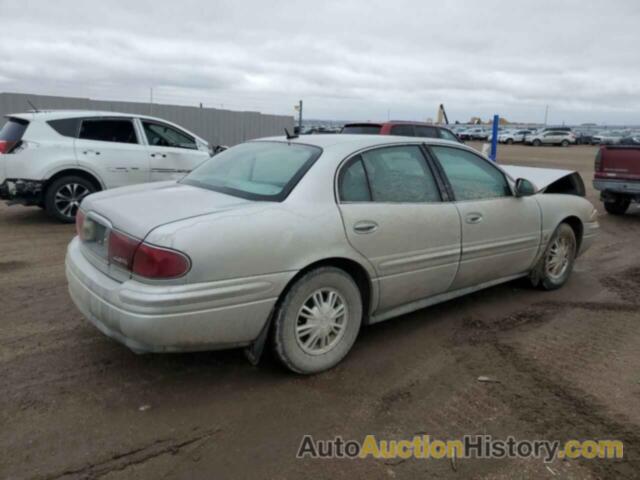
155 262
598 162
5 146
79 223
146 260
122 248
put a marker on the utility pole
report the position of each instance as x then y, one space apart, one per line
300 116
546 114
150 100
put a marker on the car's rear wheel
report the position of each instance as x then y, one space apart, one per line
617 205
556 265
564 143
537 143
509 141
63 197
317 321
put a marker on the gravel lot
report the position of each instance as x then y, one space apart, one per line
74 404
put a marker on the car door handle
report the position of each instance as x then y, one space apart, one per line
474 218
365 227
95 152
163 155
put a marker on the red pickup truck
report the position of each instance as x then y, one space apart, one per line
617 176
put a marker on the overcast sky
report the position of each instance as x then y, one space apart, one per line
351 60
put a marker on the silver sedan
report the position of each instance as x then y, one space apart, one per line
299 242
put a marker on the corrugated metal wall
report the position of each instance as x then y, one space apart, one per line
220 127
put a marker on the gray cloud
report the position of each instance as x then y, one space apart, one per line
347 59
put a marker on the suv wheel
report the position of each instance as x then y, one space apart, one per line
318 321
564 143
537 143
509 141
556 265
617 206
63 197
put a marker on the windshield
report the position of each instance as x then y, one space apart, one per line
255 170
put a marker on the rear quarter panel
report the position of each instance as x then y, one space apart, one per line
267 238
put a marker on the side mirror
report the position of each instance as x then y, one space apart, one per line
216 149
524 188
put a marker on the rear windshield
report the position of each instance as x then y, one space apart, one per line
255 170
13 130
366 129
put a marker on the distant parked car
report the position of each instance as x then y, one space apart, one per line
405 129
563 138
54 159
513 136
301 241
477 133
608 138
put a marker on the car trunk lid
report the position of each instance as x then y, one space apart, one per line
618 162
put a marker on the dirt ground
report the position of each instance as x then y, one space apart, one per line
75 404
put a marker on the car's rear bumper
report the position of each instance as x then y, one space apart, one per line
20 190
617 186
160 318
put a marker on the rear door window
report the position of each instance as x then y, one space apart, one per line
400 174
402 130
108 130
424 131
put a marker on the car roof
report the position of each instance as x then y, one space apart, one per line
394 122
356 141
46 115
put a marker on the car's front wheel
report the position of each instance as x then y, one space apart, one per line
556 265
63 197
509 141
564 143
317 321
537 143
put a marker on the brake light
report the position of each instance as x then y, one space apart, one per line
155 262
598 163
5 146
79 223
122 248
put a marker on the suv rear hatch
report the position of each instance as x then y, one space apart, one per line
11 133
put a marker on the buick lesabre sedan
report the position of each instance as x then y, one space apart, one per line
301 241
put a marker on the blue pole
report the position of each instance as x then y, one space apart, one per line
494 138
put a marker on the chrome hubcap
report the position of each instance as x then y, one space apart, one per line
321 322
68 198
558 257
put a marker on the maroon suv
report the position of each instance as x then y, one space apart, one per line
404 129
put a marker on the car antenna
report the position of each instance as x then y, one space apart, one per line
35 109
290 136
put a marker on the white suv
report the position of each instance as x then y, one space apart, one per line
54 159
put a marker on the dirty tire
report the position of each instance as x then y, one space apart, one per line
509 141
71 187
549 277
298 312
537 143
564 143
618 206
